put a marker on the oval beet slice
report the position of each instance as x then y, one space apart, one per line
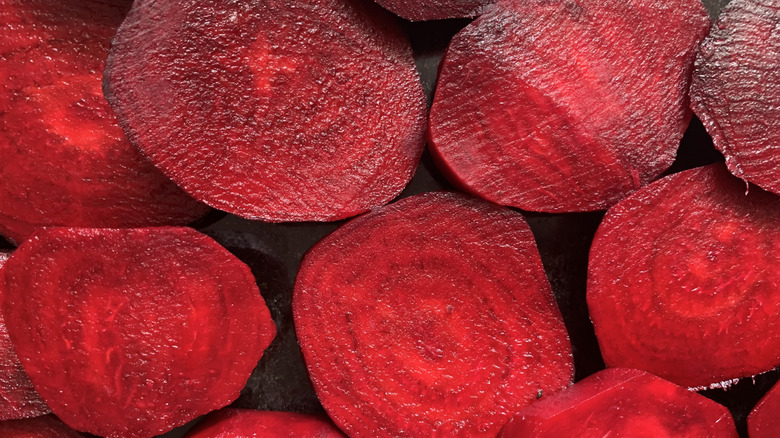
619 402
281 111
429 317
65 160
565 105
764 419
41 427
423 10
736 89
131 332
683 279
239 423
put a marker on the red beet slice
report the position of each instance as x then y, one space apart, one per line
131 332
565 105
736 90
281 111
65 159
683 279
41 427
621 402
240 423
764 419
431 316
423 10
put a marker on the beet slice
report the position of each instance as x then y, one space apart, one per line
683 279
280 111
435 9
764 419
131 332
239 423
431 316
736 90
40 427
66 161
565 105
619 402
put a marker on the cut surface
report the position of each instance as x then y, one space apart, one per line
623 403
423 10
41 427
65 160
764 419
683 279
565 105
241 423
431 316
281 111
131 332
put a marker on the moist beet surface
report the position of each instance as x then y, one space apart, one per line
430 316
131 332
565 105
683 278
47 426
736 90
764 419
239 423
65 160
622 402
273 110
423 10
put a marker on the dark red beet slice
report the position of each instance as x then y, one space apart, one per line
619 402
736 89
281 111
65 160
240 423
41 427
423 10
764 419
565 105
431 316
131 332
683 279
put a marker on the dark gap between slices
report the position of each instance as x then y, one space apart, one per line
47 426
764 419
430 316
423 10
247 423
131 332
682 279
65 160
564 106
280 111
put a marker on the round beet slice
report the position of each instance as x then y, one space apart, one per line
280 111
683 279
423 10
561 106
764 419
736 89
240 423
429 317
41 427
131 332
619 402
65 160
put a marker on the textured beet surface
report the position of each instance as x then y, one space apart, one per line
65 160
40 427
565 105
131 332
764 419
683 279
423 10
242 423
736 89
429 317
623 403
273 110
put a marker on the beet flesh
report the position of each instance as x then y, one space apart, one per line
239 423
736 90
424 10
562 106
131 332
65 160
47 426
764 419
621 402
682 279
280 111
430 316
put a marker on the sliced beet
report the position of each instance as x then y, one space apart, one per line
423 10
736 89
683 279
565 105
40 427
280 111
131 332
431 316
240 423
65 160
764 419
619 402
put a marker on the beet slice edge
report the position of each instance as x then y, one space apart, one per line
246 422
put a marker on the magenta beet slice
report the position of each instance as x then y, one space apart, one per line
429 317
561 106
40 427
764 419
423 10
683 279
736 89
240 423
280 111
65 160
131 332
620 402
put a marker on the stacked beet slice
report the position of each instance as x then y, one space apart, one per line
422 10
228 423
